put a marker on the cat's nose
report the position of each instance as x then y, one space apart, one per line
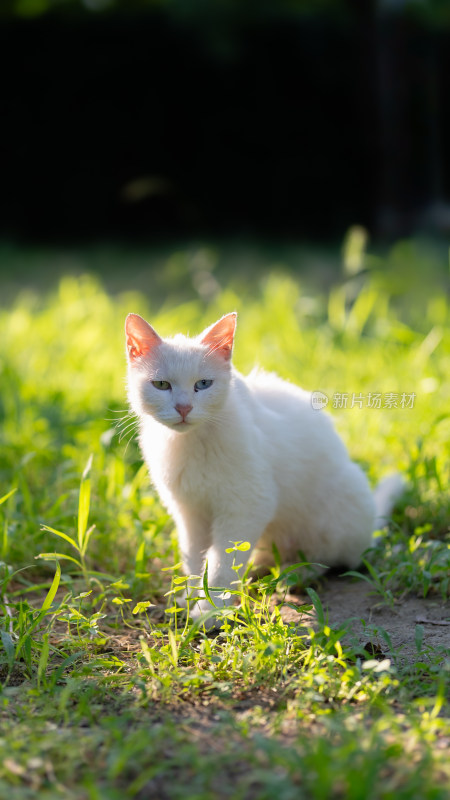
183 410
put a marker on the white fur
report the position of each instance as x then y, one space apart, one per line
254 462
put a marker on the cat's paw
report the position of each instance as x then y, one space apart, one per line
186 597
212 616
198 607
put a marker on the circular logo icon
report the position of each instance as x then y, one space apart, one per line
318 400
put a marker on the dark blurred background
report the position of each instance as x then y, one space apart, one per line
298 118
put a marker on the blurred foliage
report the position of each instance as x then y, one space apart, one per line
375 328
186 10
226 11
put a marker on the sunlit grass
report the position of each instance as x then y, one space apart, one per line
90 631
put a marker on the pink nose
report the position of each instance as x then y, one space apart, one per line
183 410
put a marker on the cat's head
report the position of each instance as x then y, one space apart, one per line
180 382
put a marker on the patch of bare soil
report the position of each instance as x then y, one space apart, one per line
353 605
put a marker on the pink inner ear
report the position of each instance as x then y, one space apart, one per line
220 336
140 336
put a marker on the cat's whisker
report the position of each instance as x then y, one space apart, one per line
127 437
131 428
117 422
125 419
128 443
131 439
125 423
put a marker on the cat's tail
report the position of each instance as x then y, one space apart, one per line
386 494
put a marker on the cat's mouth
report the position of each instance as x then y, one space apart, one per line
183 424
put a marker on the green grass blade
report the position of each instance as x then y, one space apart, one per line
87 468
173 647
315 599
43 659
6 496
27 649
58 556
86 539
353 573
9 647
140 559
53 589
56 675
83 504
61 535
206 587
5 539
44 608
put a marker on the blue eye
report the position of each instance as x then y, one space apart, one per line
204 384
163 385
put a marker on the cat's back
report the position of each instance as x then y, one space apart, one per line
276 394
284 415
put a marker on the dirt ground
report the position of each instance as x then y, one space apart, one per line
353 605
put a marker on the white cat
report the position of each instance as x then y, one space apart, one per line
244 459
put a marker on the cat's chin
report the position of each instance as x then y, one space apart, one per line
182 427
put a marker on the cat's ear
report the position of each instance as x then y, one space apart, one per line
220 336
140 337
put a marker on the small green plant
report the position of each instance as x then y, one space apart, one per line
18 640
378 580
80 545
4 526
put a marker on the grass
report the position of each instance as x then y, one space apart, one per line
108 690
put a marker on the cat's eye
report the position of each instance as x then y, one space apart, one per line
163 385
203 384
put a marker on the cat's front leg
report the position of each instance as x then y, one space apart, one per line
194 539
225 568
